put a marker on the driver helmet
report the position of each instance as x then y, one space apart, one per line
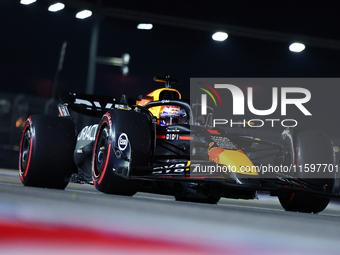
171 115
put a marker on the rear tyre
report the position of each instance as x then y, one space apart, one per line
306 148
46 152
124 140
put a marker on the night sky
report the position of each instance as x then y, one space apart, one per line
31 39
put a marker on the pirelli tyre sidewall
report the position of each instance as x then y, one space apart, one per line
123 140
305 148
46 151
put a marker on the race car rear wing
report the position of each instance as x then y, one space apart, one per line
93 105
96 106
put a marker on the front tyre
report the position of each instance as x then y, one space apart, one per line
46 152
305 148
124 139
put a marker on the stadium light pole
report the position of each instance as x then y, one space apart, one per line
52 101
93 55
59 68
94 59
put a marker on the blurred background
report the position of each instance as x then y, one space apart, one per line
44 51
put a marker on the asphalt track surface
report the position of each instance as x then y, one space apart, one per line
81 220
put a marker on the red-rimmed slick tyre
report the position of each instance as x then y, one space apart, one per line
306 149
46 151
124 139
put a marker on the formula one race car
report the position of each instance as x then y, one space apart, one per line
159 144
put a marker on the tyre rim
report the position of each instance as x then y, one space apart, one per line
25 150
101 152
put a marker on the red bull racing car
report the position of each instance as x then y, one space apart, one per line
160 144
